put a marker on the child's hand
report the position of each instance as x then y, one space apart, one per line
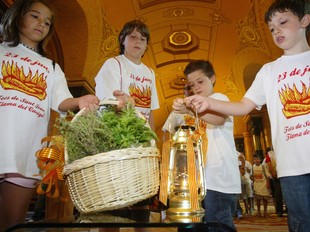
198 103
90 102
123 98
273 173
179 106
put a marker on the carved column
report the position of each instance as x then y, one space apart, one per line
258 126
267 131
255 126
248 146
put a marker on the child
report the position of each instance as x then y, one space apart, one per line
246 184
29 87
128 79
283 86
221 171
261 177
125 76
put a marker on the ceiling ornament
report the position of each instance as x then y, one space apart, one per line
180 68
149 3
176 87
180 38
178 82
178 12
180 42
218 17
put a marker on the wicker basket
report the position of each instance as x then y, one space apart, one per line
113 179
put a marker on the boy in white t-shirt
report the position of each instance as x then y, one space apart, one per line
128 79
283 85
222 175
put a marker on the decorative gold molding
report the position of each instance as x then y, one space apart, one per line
109 46
178 12
178 83
231 86
218 17
180 38
247 30
149 3
180 42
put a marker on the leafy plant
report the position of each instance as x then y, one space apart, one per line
110 129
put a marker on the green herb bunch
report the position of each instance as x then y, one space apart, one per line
110 129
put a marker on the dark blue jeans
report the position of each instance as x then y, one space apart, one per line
296 193
220 207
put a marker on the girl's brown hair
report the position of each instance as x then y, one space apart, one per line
12 21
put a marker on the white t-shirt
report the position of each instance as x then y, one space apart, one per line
138 81
29 88
222 169
283 85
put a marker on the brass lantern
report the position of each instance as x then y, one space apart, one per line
185 185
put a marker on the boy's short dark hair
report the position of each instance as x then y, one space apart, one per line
204 65
256 156
130 27
297 7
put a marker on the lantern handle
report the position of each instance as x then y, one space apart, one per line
196 118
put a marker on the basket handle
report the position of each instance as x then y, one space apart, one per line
108 102
101 103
